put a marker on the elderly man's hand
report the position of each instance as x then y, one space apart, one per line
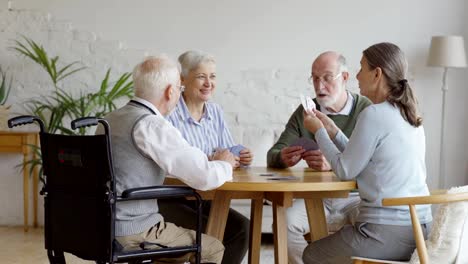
291 155
246 157
315 160
226 155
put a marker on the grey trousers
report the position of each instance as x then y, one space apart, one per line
364 240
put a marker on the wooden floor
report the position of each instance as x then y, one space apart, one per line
19 247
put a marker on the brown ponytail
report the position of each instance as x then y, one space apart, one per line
392 61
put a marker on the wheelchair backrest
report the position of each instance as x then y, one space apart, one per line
79 187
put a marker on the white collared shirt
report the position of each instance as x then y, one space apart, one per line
163 143
346 109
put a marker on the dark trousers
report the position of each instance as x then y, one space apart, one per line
236 236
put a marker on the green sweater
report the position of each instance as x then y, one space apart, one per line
295 128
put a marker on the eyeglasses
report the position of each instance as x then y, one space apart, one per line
181 88
326 79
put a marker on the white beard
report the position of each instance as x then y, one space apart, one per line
330 100
327 102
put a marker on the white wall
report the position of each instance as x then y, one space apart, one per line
264 50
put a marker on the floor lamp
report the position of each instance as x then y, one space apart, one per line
446 52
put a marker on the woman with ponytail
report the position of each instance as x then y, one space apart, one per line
385 155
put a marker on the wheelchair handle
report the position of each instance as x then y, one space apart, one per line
84 122
89 121
24 120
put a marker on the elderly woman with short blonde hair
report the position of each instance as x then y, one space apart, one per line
201 122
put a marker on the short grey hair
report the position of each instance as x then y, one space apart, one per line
153 74
190 60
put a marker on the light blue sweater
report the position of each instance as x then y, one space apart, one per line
385 154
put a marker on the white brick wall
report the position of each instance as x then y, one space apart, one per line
262 106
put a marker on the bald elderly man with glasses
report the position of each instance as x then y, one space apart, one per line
329 76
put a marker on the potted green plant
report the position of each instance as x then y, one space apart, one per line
5 88
56 109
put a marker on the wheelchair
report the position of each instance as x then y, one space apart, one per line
80 198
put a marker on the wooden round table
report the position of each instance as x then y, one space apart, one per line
280 186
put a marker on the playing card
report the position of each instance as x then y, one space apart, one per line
236 149
283 178
305 143
310 103
267 174
304 102
307 103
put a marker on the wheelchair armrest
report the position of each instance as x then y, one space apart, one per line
157 192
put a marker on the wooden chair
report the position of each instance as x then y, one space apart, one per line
452 198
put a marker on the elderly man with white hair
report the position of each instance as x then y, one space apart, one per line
329 75
146 147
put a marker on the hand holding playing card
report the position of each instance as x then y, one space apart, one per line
236 149
246 157
329 125
225 155
291 155
311 122
244 154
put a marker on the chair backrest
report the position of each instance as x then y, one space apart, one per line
78 198
448 237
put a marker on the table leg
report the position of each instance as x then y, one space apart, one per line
317 219
256 215
281 201
25 192
218 215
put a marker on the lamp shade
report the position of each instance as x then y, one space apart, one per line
447 51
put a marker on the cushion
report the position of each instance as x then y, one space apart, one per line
449 225
462 252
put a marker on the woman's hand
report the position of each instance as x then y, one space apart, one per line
312 122
329 125
246 157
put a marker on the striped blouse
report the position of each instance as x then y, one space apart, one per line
210 133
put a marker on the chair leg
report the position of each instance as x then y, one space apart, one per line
56 257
